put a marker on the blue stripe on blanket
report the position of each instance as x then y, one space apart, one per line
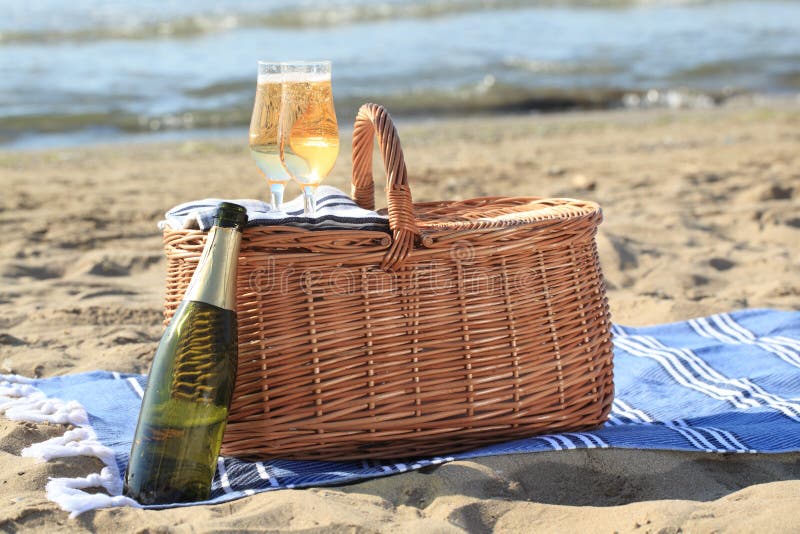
335 210
728 383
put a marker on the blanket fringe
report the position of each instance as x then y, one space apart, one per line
68 492
20 401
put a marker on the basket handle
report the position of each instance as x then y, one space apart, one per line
374 120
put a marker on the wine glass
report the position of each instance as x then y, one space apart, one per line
264 130
308 134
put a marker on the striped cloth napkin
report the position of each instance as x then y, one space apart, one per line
729 383
334 210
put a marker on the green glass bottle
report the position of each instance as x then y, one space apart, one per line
189 389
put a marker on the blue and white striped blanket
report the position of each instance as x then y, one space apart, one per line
335 210
728 383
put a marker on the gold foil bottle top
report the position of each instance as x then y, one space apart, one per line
214 280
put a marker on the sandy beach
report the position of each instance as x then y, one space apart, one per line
702 215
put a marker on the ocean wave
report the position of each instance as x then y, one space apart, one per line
303 17
492 96
488 96
731 67
791 79
560 68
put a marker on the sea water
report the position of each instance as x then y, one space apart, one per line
83 71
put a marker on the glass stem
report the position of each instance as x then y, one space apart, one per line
309 201
276 196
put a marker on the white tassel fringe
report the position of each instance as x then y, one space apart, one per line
20 401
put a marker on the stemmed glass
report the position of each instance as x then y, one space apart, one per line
264 125
308 136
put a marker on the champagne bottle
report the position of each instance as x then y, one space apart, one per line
189 388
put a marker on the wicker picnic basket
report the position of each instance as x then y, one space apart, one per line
473 322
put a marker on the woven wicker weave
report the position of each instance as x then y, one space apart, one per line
473 322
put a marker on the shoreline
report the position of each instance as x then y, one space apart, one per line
174 129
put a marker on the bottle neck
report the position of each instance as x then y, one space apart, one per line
214 280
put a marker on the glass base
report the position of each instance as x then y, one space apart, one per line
309 201
276 195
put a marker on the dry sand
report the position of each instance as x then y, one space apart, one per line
702 215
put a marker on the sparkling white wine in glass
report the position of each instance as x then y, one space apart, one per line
309 135
264 130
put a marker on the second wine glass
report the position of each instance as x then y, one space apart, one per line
308 133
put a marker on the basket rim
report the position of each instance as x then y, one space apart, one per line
511 211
